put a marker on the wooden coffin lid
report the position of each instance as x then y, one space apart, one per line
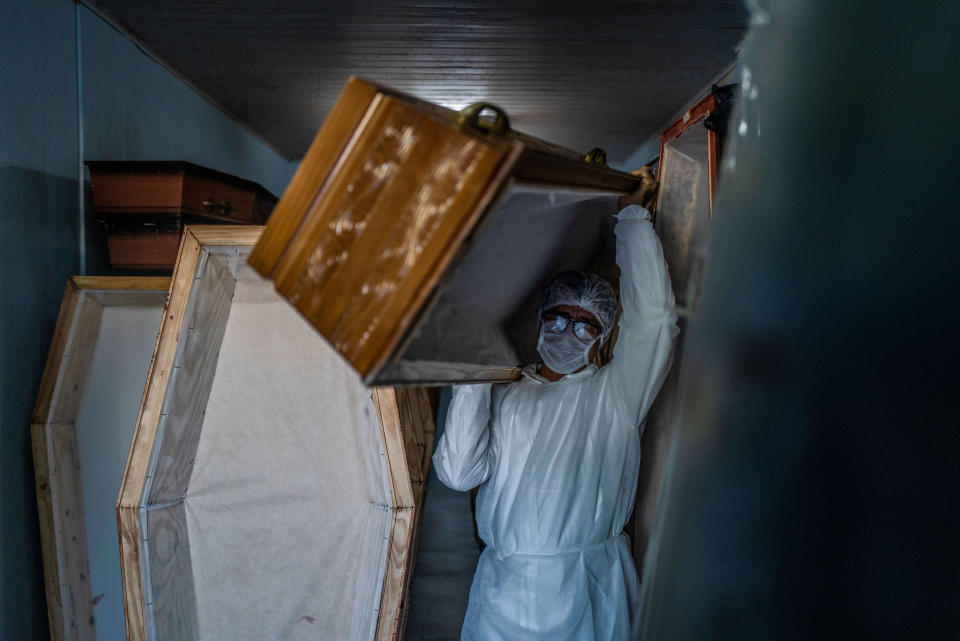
384 200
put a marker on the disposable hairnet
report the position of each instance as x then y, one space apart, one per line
582 289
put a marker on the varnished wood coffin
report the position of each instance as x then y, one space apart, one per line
144 206
416 239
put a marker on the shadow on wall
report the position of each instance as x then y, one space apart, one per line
39 213
447 557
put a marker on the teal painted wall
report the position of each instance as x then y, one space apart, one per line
132 109
38 206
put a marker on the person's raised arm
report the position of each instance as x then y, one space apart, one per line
648 323
462 459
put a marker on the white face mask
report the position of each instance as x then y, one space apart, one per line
564 353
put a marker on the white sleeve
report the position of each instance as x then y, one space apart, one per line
462 458
648 323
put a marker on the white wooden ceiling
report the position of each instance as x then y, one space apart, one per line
601 73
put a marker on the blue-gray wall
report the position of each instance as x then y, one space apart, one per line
132 109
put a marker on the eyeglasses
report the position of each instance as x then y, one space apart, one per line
557 323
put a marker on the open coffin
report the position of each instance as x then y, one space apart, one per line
417 239
267 494
687 175
81 429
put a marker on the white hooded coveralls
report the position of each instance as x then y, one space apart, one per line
557 466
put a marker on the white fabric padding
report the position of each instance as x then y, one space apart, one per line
557 466
286 504
106 418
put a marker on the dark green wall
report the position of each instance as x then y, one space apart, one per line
132 109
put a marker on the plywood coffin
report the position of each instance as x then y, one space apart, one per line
268 494
416 239
81 428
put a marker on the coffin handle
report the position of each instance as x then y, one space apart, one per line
469 120
596 156
210 205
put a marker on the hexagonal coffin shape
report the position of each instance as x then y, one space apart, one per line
268 493
81 428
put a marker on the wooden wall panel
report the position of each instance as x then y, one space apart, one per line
604 73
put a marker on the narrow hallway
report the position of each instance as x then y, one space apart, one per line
446 559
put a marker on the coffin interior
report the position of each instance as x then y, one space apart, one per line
482 322
112 335
267 512
683 212
106 417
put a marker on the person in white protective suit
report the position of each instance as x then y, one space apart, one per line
556 455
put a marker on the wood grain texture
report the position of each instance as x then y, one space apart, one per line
55 447
141 190
57 469
393 600
192 379
356 267
173 600
143 248
406 421
225 235
566 72
62 532
141 447
130 536
362 242
401 489
150 283
312 174
44 409
420 422
48 531
134 477
67 495
131 499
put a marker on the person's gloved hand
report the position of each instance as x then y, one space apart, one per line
643 194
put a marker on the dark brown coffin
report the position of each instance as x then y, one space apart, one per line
416 238
144 206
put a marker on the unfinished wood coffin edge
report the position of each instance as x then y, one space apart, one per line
530 160
130 502
406 496
56 470
397 428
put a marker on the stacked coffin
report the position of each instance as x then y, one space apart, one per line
267 492
145 205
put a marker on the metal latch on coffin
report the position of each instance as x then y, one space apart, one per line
470 122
